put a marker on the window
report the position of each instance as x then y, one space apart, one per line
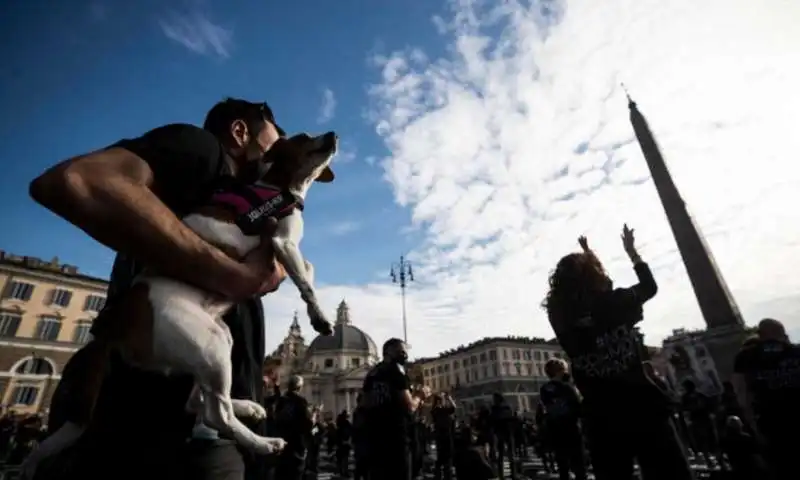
9 323
485 372
355 362
24 395
61 297
515 354
455 365
433 383
438 369
473 360
546 355
465 362
526 354
494 370
328 363
493 355
505 354
537 355
94 303
466 378
48 328
446 367
34 366
82 332
19 291
483 357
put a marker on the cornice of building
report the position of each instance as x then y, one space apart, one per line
493 342
50 272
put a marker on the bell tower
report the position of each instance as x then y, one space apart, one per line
343 313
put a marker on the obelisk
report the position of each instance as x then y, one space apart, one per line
725 326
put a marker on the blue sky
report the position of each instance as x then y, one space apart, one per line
88 73
479 137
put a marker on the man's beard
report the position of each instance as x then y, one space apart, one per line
252 163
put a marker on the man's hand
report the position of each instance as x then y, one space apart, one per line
259 273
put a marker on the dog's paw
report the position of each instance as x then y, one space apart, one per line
318 320
248 409
276 444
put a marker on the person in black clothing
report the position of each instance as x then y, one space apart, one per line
390 404
625 414
442 412
360 439
130 197
293 423
700 409
314 444
743 451
502 420
471 459
562 411
767 381
344 438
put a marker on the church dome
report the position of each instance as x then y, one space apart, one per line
345 337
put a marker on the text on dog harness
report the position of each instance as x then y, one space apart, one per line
254 204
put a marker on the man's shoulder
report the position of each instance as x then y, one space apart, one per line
178 133
177 144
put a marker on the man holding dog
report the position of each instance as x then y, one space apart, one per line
130 197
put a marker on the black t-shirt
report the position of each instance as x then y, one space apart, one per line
606 351
293 423
772 372
698 406
186 162
443 420
389 420
561 405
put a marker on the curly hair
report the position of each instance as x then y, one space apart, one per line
577 278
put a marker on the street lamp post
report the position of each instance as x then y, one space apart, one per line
401 273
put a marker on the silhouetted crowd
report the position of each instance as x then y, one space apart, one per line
605 411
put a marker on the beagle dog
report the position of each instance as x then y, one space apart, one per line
168 326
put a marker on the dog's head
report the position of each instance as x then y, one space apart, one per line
299 161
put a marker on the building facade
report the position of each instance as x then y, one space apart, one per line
687 355
511 366
333 367
46 311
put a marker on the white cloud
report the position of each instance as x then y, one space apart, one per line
484 151
198 33
344 228
328 108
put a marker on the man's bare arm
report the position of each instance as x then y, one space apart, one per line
412 401
108 194
743 397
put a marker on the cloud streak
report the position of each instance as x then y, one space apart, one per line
328 108
517 141
198 33
345 228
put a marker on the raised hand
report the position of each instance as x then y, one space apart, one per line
628 240
584 243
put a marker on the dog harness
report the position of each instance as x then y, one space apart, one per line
254 204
